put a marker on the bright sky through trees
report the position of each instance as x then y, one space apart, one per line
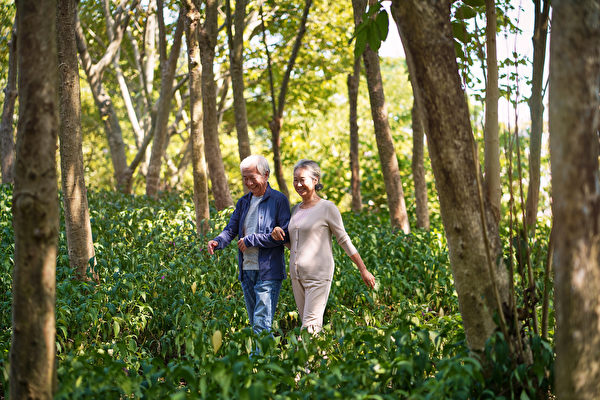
507 43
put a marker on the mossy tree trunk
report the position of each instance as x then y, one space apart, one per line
200 172
208 40
481 282
35 205
77 218
574 114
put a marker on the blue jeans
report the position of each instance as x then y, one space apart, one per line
261 299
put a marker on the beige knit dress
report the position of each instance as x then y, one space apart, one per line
311 258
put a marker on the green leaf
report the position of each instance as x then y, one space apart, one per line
459 31
382 22
361 43
373 38
465 12
475 3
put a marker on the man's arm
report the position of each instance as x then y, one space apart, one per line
282 219
229 233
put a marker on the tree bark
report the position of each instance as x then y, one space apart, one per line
383 136
207 42
536 112
35 205
236 49
77 219
353 82
278 104
159 145
481 284
200 172
574 115
493 186
418 168
418 121
7 142
112 128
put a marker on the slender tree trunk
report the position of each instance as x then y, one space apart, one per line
200 172
7 143
108 115
35 205
574 116
159 145
418 120
383 136
353 82
418 168
493 186
536 111
385 143
278 104
481 284
77 218
207 41
236 49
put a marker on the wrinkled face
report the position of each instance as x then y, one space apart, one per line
254 181
304 183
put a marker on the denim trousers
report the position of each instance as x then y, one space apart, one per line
261 299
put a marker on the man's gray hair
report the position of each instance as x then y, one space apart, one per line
261 164
313 168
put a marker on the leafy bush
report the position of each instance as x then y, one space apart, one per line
166 320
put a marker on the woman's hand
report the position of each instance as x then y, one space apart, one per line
367 278
278 233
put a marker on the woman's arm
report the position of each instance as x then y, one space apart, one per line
366 276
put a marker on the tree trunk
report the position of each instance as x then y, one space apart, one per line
198 159
493 186
108 115
418 121
574 116
236 49
7 143
383 136
159 145
77 218
353 82
481 284
418 168
35 205
207 41
536 111
278 104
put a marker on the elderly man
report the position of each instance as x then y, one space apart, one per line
260 258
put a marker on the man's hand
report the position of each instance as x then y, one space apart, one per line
210 246
242 245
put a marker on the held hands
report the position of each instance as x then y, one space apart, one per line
278 233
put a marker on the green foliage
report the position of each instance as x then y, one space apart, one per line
166 320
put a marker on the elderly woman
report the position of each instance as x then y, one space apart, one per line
313 222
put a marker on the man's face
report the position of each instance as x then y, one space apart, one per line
254 181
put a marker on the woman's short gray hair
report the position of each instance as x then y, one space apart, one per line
313 168
261 164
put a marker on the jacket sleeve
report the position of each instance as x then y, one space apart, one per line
282 219
231 230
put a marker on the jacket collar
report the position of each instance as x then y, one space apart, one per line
268 192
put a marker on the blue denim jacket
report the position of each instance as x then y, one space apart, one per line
273 210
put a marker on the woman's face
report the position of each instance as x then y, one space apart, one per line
304 183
